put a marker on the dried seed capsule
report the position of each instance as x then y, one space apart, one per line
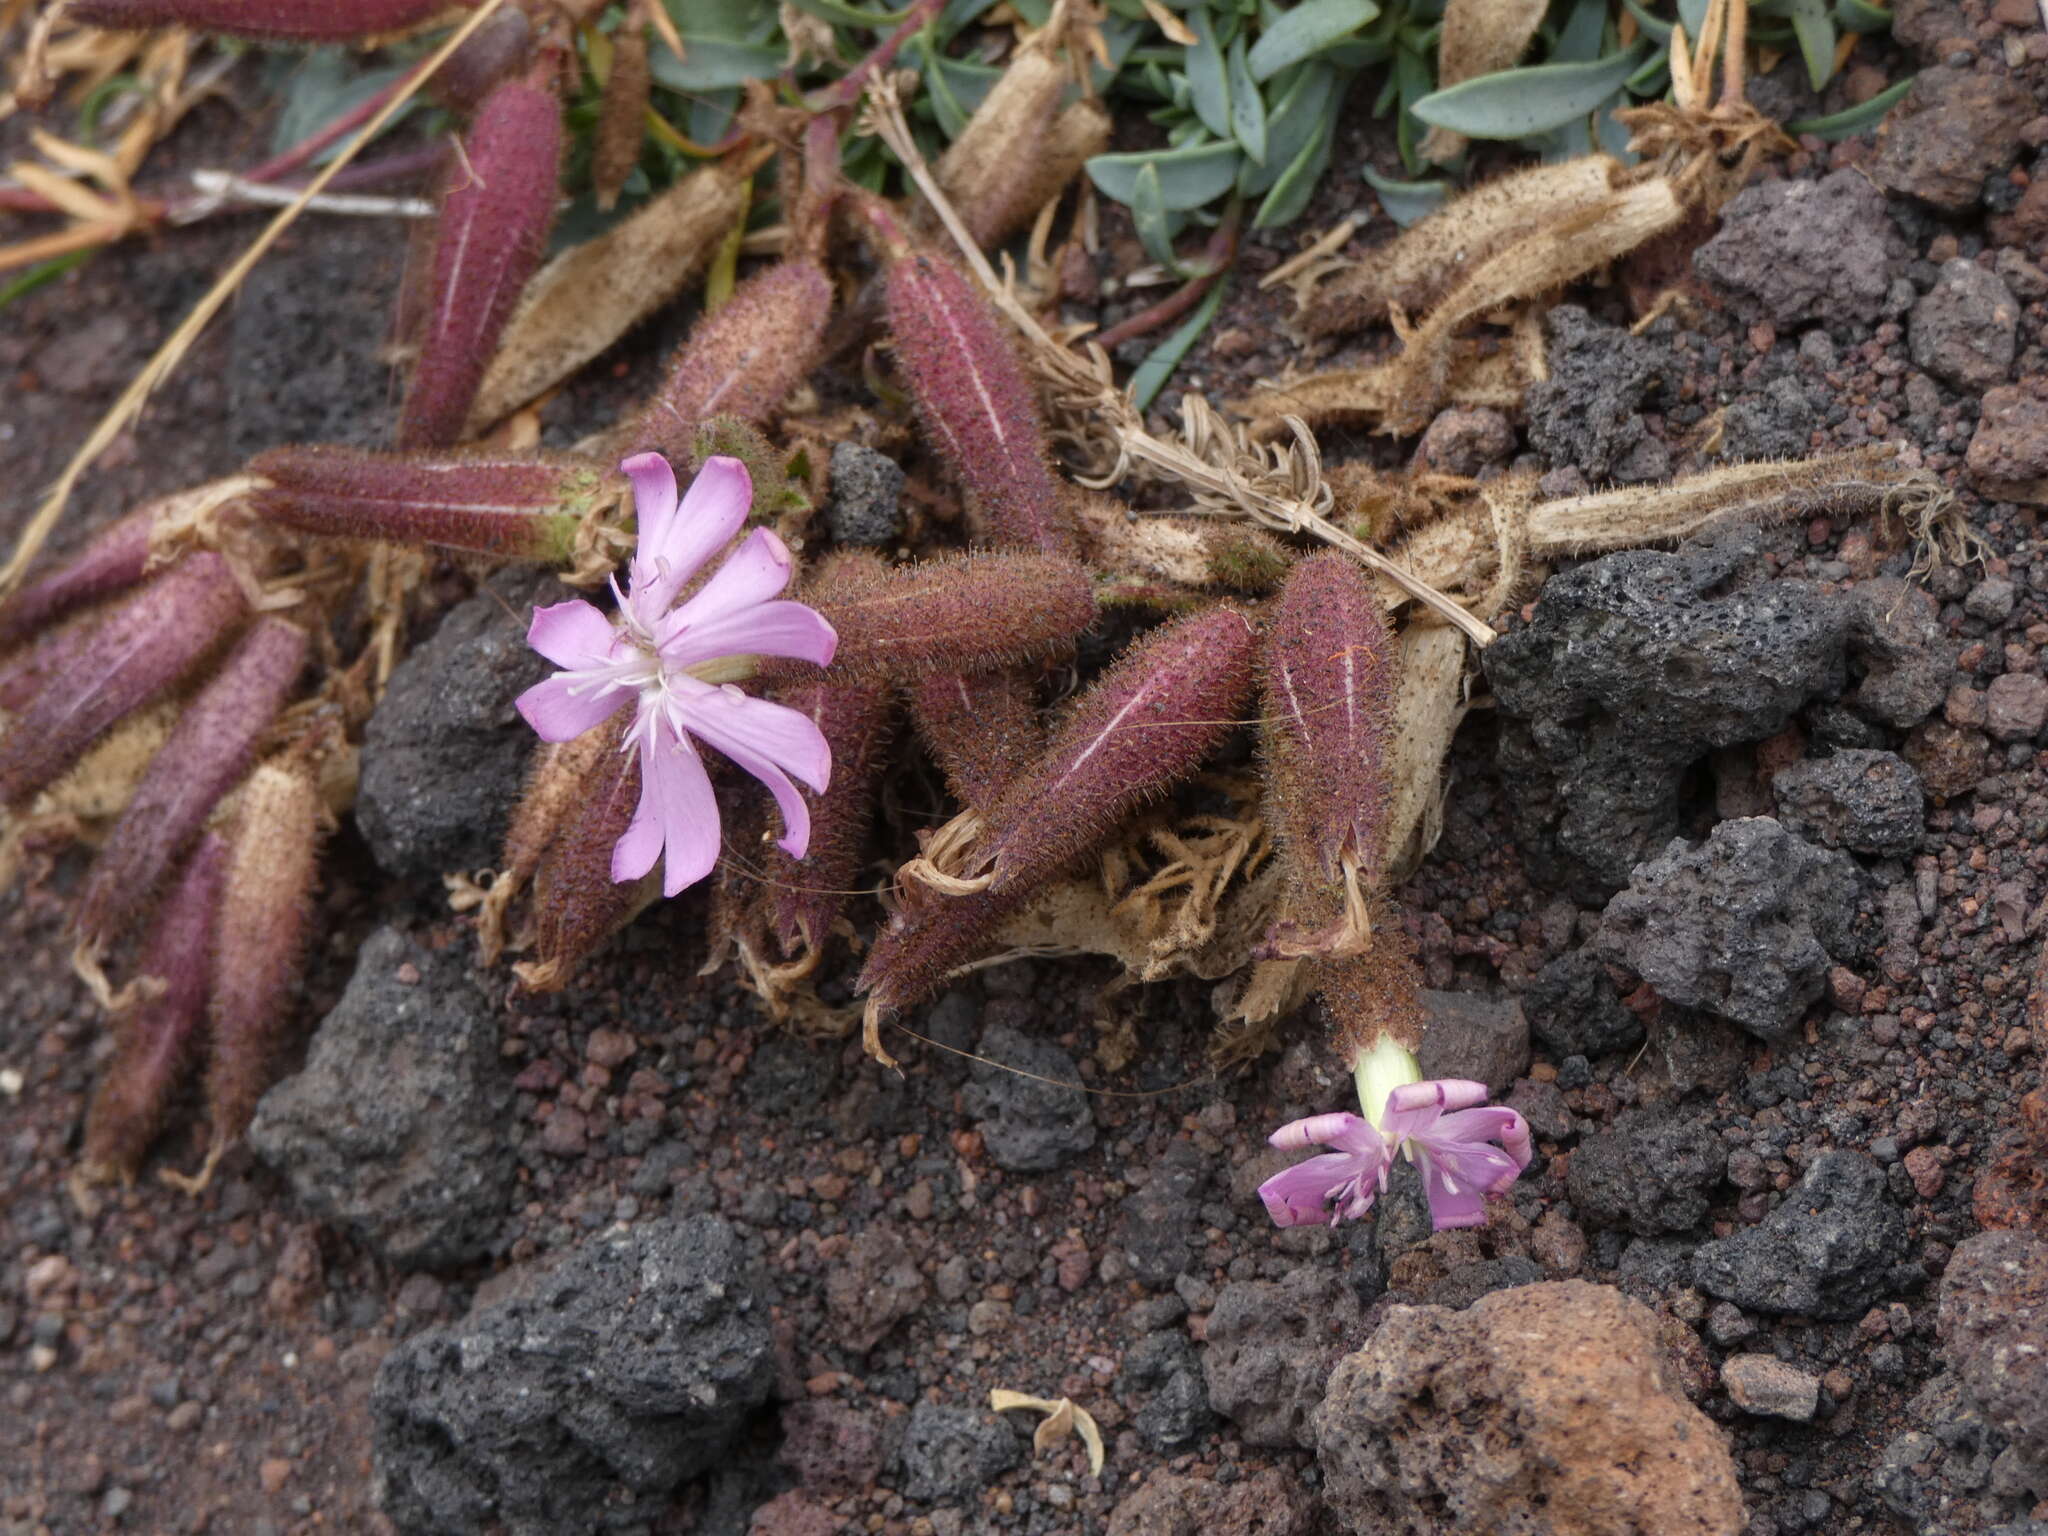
966 614
278 21
576 903
622 121
511 507
806 895
112 562
259 940
494 226
1328 672
207 753
976 403
129 657
1021 148
560 772
741 360
154 1040
1145 725
981 729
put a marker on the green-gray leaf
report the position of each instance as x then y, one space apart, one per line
1156 227
1188 178
1816 33
714 63
1862 16
1406 201
1307 30
1152 374
1515 103
1854 120
1211 92
1247 109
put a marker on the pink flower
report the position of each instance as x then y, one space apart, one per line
1455 1152
678 666
1339 1185
1460 1165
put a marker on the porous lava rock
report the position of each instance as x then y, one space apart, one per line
1792 252
1828 1250
1270 1347
1540 1411
395 1126
1630 670
1994 1335
580 1402
1744 926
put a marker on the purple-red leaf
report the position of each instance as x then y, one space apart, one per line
280 21
123 661
805 895
977 404
509 506
494 225
982 730
741 360
208 751
154 1042
112 562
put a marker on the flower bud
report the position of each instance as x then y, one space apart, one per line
980 729
1146 724
209 750
112 562
147 644
965 614
507 506
576 903
259 940
805 895
278 21
494 226
1328 673
154 1040
742 359
977 404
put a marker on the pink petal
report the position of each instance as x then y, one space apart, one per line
712 511
1467 1208
766 629
748 730
571 634
677 816
654 510
756 571
1494 1123
1300 1196
563 707
1414 1107
1348 1133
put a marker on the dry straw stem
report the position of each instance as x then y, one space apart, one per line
1280 488
1420 266
1479 375
123 412
1479 37
588 297
1848 483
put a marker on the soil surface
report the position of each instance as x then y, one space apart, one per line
912 1242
